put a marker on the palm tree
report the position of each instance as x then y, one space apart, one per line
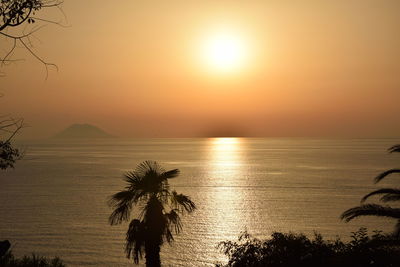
387 195
148 190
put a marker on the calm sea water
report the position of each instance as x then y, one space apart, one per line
54 202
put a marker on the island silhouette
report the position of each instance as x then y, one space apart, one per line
82 131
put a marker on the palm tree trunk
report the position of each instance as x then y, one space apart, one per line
152 250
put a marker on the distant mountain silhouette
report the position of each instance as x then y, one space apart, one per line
82 131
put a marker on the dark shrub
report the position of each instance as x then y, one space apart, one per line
293 250
8 260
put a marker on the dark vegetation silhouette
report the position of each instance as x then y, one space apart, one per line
387 195
8 155
290 249
4 247
9 127
34 260
159 209
7 259
294 250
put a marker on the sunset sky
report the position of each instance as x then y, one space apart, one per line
160 68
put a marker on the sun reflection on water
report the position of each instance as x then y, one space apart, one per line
225 155
225 197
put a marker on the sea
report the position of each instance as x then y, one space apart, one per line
54 203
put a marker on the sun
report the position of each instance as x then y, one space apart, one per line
224 51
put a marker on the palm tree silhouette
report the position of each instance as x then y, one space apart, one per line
387 195
148 190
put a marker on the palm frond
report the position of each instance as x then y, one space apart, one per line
137 184
182 202
164 194
173 221
391 194
168 235
124 196
395 148
121 213
149 167
170 174
132 178
150 177
122 204
135 240
370 210
385 173
390 197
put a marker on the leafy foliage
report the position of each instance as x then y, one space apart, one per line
8 155
289 249
15 12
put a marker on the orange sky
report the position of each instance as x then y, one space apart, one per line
134 68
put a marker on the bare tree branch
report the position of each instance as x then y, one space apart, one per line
15 13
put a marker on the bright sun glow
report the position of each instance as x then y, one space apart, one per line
225 152
224 51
